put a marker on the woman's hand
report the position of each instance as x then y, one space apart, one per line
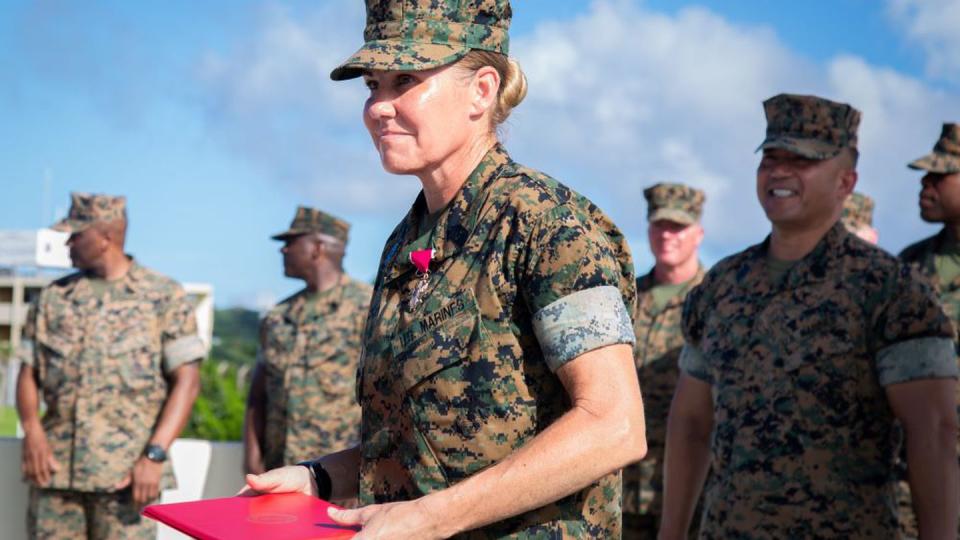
396 521
290 479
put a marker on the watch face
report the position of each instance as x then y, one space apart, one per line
155 453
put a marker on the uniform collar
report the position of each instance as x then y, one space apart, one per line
325 302
456 222
648 282
80 289
815 267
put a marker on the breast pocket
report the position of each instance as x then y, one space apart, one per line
137 360
463 400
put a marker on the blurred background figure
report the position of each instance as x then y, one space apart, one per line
675 234
302 400
857 217
937 257
114 352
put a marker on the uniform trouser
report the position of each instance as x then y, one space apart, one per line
61 514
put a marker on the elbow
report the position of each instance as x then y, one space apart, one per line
630 437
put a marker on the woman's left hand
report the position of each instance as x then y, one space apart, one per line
396 521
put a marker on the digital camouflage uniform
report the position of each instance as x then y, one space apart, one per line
659 341
310 347
857 212
100 362
944 159
526 275
804 442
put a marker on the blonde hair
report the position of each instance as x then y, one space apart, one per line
513 83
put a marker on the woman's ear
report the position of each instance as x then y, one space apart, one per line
484 90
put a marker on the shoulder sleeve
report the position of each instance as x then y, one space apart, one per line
692 360
181 339
913 337
571 283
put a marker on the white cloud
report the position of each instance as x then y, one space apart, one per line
933 24
620 97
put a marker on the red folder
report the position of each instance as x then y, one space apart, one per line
283 516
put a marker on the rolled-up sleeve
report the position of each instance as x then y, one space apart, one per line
914 359
574 287
581 322
181 340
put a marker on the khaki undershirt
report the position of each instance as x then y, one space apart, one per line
777 269
947 263
101 287
662 294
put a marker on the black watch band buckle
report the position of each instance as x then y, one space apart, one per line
321 477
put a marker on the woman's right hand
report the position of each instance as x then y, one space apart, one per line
290 479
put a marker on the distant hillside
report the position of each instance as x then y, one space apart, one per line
235 336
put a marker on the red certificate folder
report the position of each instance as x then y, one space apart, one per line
283 516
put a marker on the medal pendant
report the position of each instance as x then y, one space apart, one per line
418 291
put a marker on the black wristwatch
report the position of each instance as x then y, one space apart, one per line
321 476
155 452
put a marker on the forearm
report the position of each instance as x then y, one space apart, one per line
185 387
344 470
934 481
28 399
574 451
686 463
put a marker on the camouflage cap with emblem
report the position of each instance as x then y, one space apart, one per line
89 208
857 211
311 220
414 35
810 126
674 202
945 157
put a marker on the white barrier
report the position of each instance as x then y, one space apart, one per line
204 470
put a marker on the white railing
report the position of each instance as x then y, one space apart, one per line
204 470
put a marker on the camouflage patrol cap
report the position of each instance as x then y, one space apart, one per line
945 157
89 208
310 220
857 211
413 35
674 202
810 126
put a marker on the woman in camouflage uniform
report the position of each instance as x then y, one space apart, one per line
498 389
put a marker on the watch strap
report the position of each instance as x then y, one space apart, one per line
321 477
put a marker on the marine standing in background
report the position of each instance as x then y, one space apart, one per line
113 350
857 217
302 400
674 233
800 354
938 257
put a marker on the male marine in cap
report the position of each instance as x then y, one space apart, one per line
302 399
938 257
675 234
857 217
114 353
800 354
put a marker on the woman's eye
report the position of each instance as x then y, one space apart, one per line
403 80
371 85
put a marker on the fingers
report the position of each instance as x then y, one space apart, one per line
283 480
347 517
267 482
144 491
52 463
123 483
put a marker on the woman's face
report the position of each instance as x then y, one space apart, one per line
418 119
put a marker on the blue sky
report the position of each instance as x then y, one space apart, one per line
216 118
